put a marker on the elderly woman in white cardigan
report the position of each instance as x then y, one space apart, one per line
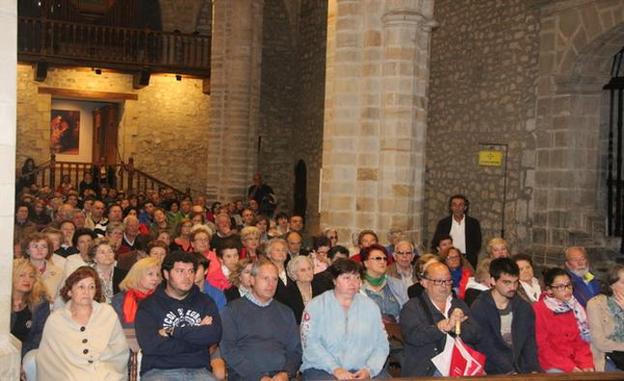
605 313
83 340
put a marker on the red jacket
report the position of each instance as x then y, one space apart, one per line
466 274
559 342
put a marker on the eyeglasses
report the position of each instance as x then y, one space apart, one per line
403 252
377 258
441 282
560 287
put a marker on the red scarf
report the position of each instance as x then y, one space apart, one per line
131 303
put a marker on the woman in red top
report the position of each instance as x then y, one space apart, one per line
561 328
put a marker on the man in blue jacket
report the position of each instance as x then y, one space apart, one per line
177 324
586 286
507 323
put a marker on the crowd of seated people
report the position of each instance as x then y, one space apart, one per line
225 292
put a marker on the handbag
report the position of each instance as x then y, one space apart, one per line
617 357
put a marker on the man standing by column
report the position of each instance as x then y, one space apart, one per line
465 230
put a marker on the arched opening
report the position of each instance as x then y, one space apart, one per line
300 188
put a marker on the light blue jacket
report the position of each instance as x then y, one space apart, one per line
334 338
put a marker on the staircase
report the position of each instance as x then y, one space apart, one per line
124 176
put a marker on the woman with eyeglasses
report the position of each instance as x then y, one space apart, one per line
461 271
341 331
389 293
561 327
605 313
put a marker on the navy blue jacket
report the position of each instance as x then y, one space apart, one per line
188 347
584 291
39 316
501 359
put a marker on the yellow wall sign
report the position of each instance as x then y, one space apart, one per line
490 158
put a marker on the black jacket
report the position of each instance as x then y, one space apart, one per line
501 359
423 340
473 236
293 299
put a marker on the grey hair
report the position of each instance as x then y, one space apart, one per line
291 268
260 263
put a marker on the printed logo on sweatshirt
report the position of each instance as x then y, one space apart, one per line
181 318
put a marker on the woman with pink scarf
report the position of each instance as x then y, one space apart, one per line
561 327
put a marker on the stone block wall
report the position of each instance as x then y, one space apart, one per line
484 58
578 43
308 129
165 129
292 98
375 116
278 102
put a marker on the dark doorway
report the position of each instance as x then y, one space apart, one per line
301 201
105 125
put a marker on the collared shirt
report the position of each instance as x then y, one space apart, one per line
407 277
250 296
225 270
447 307
283 276
458 233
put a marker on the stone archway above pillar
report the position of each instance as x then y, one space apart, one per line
577 42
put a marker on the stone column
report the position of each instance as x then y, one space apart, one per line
235 100
10 347
375 116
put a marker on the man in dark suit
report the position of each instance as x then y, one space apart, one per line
465 230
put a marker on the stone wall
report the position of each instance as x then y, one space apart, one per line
278 129
292 99
578 41
375 116
308 131
484 59
165 129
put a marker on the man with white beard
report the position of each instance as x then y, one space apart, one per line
586 285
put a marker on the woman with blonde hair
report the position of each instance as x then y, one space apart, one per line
240 279
498 248
29 311
479 282
250 238
141 282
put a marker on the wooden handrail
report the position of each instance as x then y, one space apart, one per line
125 176
82 44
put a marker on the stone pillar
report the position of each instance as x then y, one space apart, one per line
10 347
375 116
235 100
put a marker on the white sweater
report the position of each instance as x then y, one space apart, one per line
69 351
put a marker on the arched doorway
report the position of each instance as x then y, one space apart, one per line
571 127
300 188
